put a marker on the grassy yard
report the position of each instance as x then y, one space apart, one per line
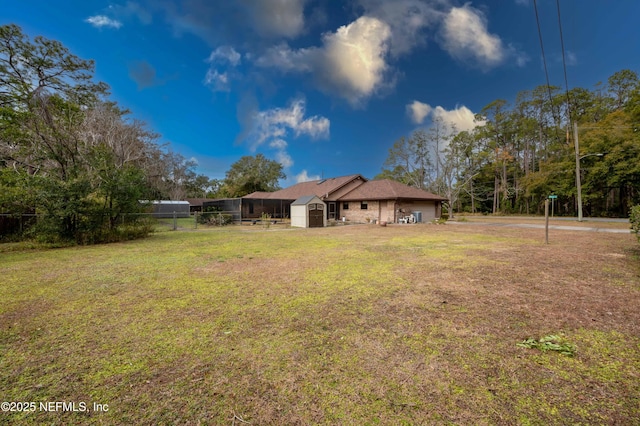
540 220
345 325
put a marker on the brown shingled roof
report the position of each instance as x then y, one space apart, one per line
322 188
258 195
388 190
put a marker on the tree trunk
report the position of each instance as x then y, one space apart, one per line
496 194
473 200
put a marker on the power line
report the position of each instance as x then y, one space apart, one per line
546 72
564 64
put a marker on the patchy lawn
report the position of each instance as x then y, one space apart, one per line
346 325
540 220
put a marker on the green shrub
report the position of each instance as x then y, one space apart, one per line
132 231
215 218
265 220
634 218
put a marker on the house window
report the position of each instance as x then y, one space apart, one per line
345 206
363 205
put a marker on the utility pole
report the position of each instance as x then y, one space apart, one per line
578 183
578 158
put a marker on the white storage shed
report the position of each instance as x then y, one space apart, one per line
309 212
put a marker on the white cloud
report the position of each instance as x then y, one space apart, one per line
354 58
304 177
316 127
521 58
100 21
284 158
224 54
273 124
461 117
285 59
278 144
218 82
465 37
351 62
418 111
354 61
407 20
223 59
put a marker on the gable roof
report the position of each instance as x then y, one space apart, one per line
196 202
305 200
323 188
258 194
388 190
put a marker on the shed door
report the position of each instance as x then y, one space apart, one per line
316 215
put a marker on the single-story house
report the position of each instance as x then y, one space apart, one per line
195 204
390 201
277 203
352 197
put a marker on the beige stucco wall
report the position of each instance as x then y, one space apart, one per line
428 209
387 210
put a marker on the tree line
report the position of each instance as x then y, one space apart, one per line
70 154
520 154
79 161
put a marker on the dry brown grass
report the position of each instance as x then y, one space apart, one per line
540 220
346 325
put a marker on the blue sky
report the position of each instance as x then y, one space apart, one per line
322 86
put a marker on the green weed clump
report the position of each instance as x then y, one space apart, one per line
551 342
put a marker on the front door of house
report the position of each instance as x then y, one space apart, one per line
332 210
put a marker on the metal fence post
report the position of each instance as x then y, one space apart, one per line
175 221
195 218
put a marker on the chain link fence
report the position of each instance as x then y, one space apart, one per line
19 223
